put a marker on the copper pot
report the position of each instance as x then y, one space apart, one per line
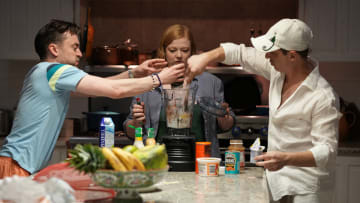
128 53
105 55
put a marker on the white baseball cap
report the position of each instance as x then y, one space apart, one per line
288 34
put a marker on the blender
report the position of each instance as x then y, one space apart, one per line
180 143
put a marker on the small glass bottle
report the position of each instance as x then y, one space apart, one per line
138 138
150 140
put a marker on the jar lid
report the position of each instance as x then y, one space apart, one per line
203 143
138 132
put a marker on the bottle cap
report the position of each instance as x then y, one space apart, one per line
138 132
151 133
107 120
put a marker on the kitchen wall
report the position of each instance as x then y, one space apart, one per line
212 21
344 77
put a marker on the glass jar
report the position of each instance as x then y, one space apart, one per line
235 157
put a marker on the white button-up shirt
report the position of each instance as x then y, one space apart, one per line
307 120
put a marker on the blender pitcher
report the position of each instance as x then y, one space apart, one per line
179 104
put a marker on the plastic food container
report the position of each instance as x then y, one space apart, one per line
208 166
254 153
202 149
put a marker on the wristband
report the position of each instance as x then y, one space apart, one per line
154 82
158 78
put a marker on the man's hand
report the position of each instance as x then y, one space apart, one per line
172 74
138 114
196 65
273 160
149 67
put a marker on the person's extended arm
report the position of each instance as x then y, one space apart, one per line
324 131
97 86
275 160
146 68
197 63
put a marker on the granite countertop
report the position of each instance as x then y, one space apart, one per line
188 187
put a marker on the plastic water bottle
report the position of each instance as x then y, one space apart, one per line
107 132
138 138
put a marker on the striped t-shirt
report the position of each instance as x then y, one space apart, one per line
42 108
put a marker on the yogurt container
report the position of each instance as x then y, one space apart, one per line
255 152
208 166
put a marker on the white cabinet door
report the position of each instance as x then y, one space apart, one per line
347 179
354 183
21 19
335 26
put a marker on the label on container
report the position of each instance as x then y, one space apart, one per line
232 162
107 131
208 166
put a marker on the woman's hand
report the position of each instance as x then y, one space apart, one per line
138 114
226 122
149 67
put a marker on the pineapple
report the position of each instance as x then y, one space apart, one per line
87 158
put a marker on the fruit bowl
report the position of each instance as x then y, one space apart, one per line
126 184
129 179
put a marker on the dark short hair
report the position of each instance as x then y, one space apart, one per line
304 54
53 33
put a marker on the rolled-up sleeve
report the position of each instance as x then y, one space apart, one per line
249 58
325 131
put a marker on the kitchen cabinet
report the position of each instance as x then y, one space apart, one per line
335 26
347 179
20 20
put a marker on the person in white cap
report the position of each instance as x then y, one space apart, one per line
303 110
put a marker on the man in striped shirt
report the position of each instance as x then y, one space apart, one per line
45 95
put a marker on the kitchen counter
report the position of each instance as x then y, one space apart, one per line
189 187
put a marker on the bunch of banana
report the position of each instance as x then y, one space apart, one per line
121 160
89 158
